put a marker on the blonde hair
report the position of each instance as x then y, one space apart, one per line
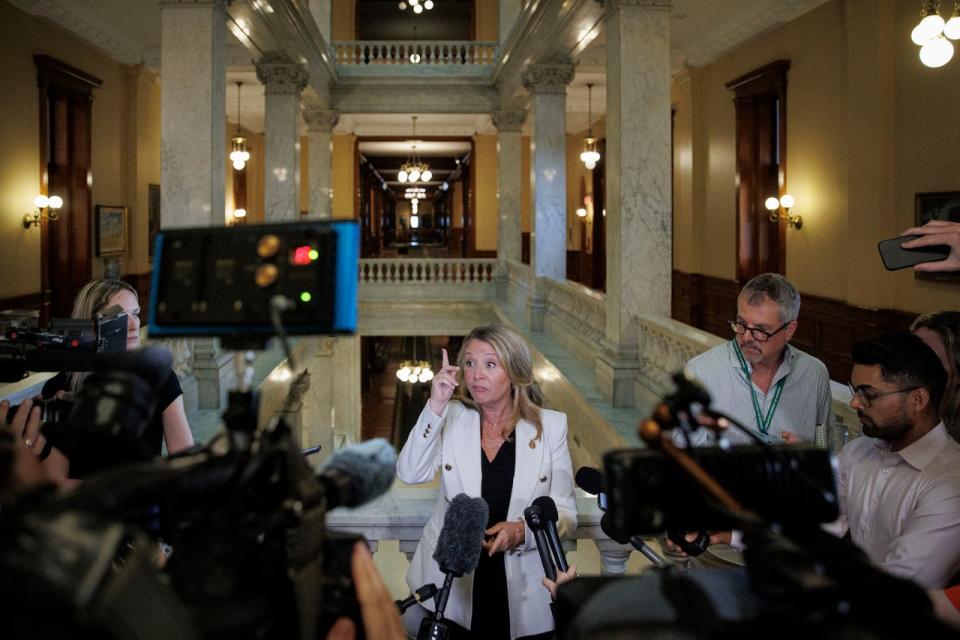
946 324
92 299
514 356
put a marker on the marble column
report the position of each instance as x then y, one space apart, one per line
547 83
638 162
509 182
508 10
323 15
192 106
283 80
320 124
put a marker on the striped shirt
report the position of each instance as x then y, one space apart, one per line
805 401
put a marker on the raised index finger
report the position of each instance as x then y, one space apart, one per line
446 360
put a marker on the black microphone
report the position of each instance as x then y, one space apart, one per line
458 551
592 481
421 594
548 509
358 473
535 520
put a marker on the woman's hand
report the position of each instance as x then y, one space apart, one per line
562 576
25 471
504 536
444 383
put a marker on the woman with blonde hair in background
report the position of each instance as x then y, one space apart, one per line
940 330
169 424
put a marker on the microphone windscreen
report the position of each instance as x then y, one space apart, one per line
607 527
362 471
591 480
461 539
548 508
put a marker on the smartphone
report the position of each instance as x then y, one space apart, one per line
896 257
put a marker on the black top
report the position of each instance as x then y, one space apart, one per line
169 391
491 608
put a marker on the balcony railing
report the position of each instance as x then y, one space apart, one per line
424 57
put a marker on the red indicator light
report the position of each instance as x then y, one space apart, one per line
74 343
301 255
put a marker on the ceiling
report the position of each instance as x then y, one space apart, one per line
700 32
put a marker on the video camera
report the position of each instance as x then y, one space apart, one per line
799 581
244 514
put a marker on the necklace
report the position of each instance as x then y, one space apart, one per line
496 440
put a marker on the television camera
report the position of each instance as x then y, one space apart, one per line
244 514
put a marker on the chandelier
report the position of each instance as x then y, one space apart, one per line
414 169
239 155
417 5
414 371
933 35
590 156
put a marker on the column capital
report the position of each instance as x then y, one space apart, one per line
652 4
550 76
508 120
279 74
321 120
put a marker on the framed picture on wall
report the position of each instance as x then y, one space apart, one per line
111 230
939 205
153 215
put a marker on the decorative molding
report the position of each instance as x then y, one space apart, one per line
550 76
280 75
767 16
94 35
650 4
506 121
321 120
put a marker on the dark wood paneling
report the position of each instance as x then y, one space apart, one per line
827 328
525 247
26 301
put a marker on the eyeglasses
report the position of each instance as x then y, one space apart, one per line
759 335
866 399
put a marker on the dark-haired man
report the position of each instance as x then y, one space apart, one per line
899 485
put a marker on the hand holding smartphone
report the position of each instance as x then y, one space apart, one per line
896 256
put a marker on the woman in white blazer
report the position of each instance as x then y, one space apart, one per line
497 443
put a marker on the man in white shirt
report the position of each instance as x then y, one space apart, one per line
899 484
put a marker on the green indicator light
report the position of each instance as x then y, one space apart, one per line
314 254
305 296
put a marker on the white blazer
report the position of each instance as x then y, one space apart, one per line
451 442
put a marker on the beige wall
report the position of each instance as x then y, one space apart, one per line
485 23
344 19
124 153
485 193
860 143
344 176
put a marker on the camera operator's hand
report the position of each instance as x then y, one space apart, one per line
562 576
24 468
380 616
790 437
504 536
715 537
933 233
443 386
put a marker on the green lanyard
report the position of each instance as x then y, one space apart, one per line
763 422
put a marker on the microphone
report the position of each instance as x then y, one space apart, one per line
421 594
359 473
592 481
535 520
458 551
548 509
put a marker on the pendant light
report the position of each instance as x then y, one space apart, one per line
590 156
239 155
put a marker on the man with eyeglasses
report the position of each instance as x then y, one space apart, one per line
774 389
899 485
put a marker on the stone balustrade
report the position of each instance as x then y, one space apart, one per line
575 316
402 513
429 279
356 57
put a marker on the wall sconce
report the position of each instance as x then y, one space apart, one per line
239 216
786 203
46 208
582 212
